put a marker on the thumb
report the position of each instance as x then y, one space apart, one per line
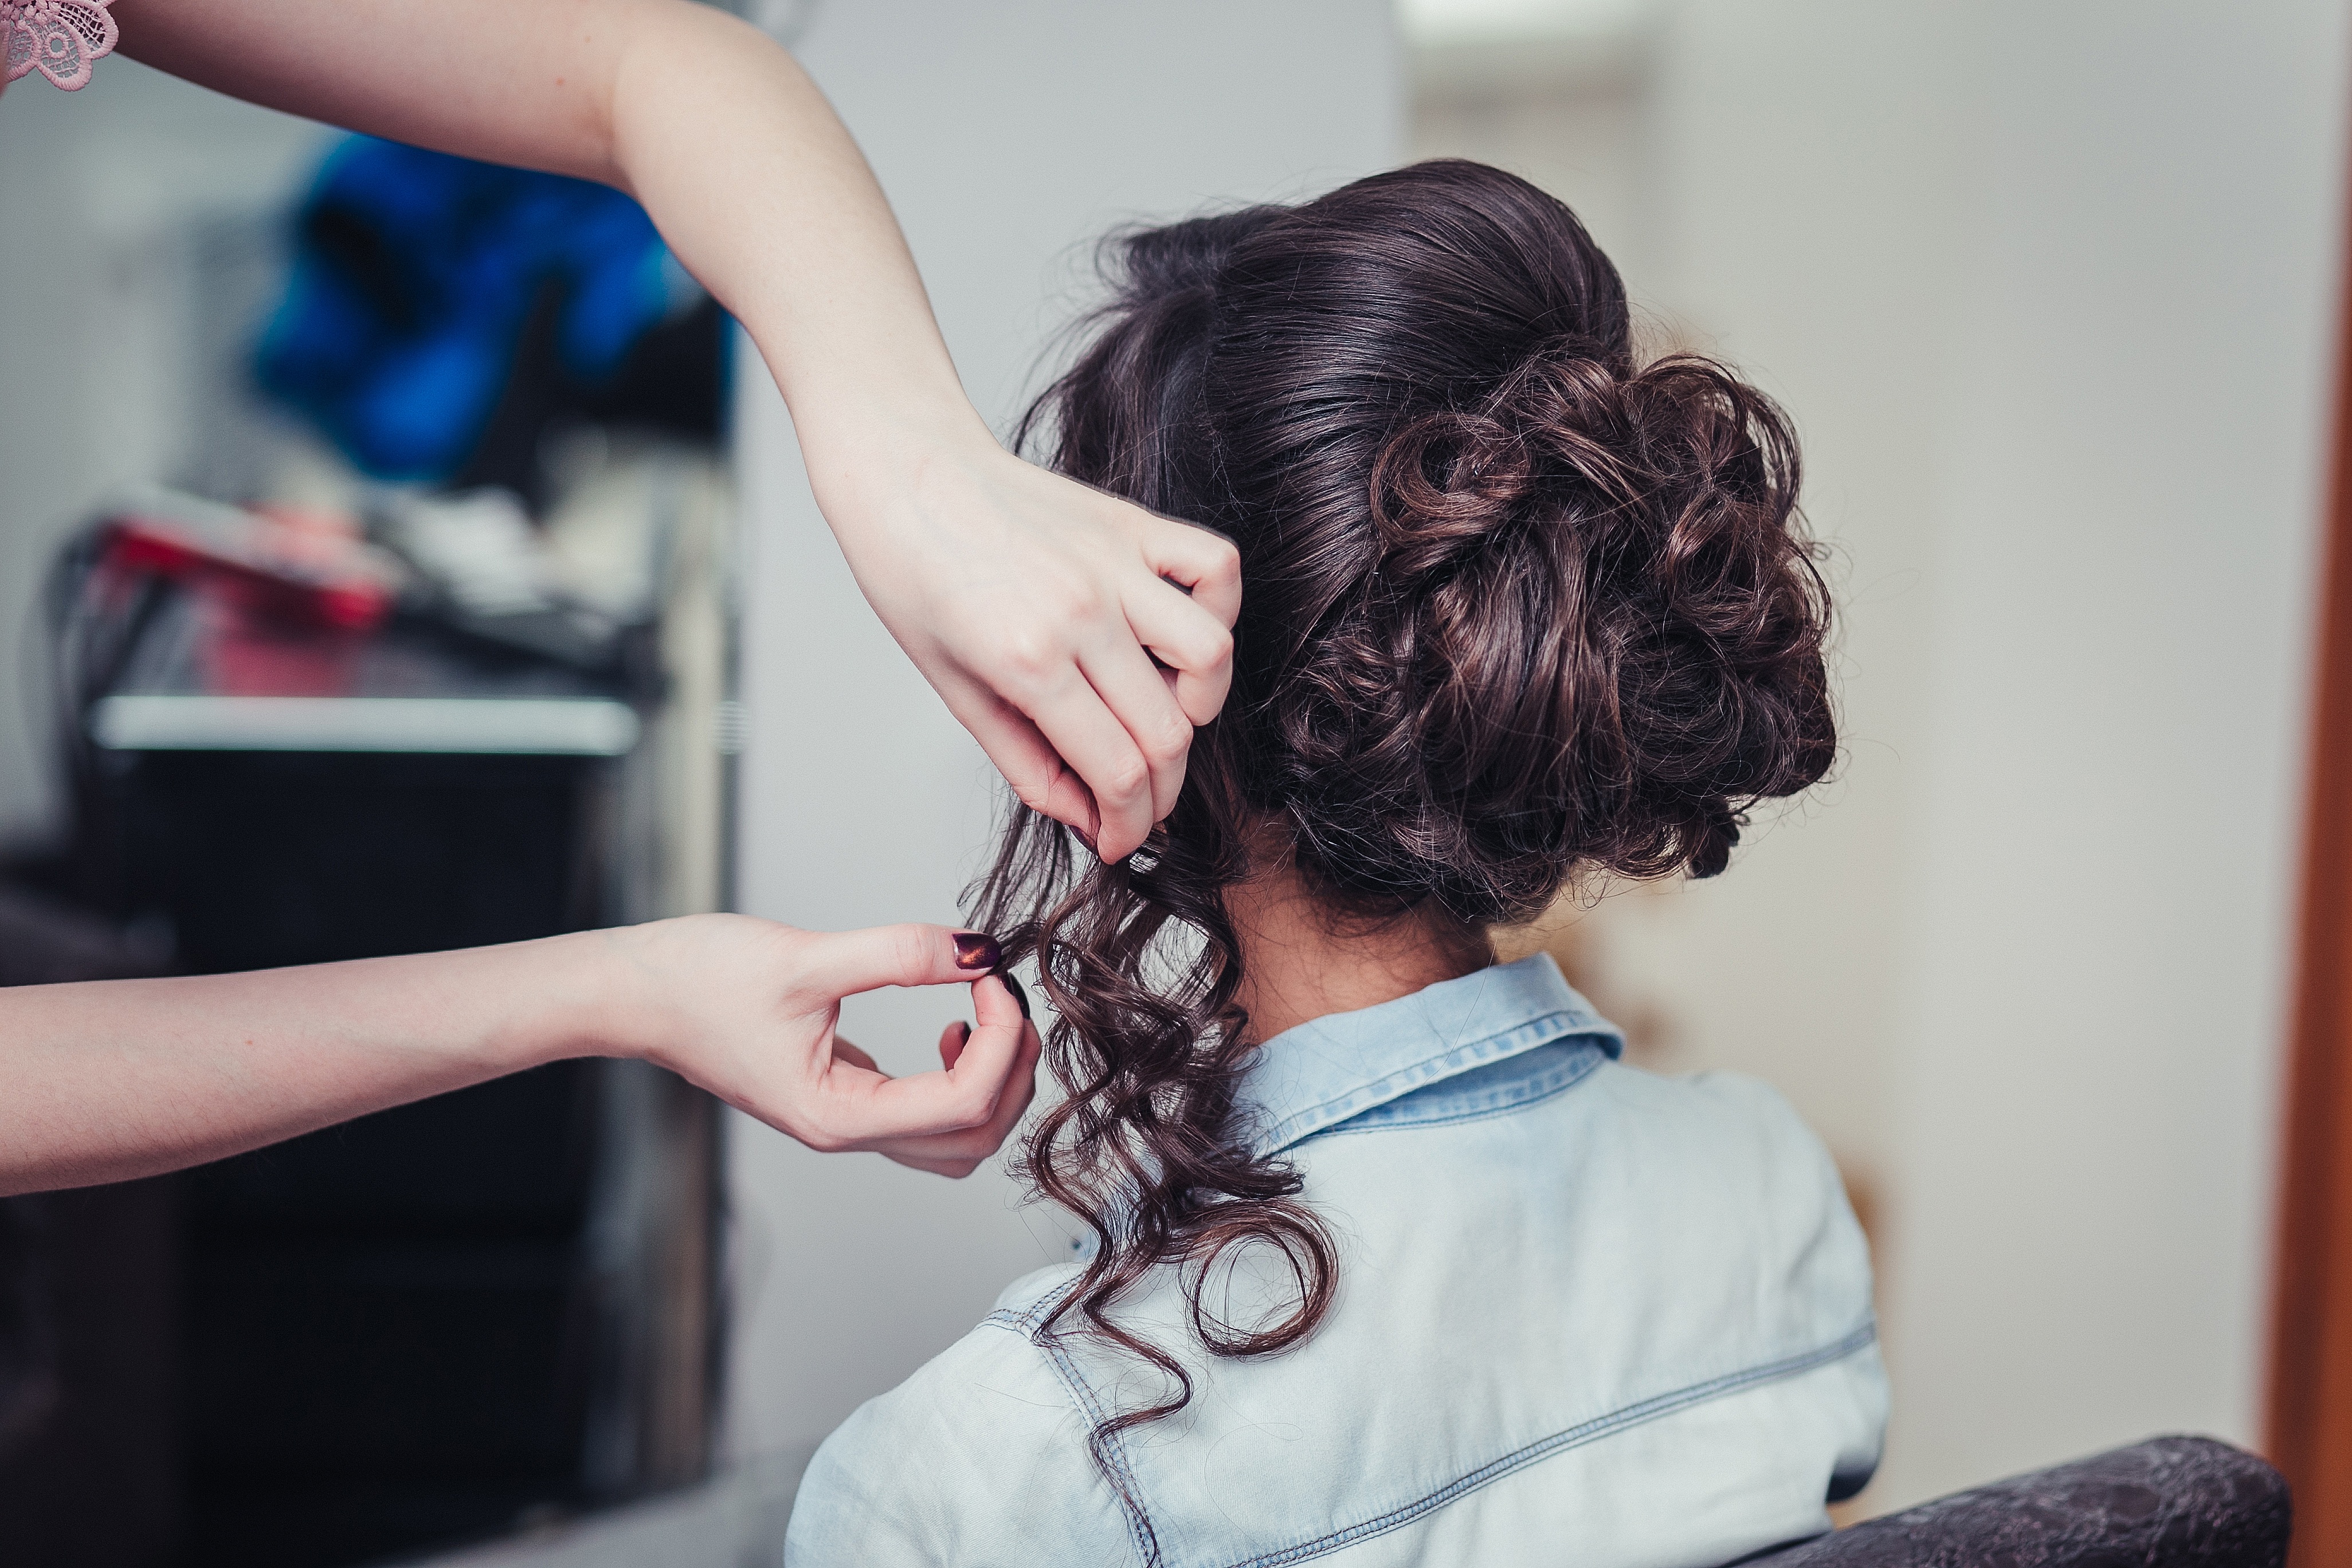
834 964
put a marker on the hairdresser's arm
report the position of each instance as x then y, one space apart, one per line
117 1079
1028 601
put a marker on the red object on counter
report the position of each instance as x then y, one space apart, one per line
303 567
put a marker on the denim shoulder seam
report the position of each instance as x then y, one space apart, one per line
1029 1323
1487 1113
1575 1437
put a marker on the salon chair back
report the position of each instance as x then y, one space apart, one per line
2169 1502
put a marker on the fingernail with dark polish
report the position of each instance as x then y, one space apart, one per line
975 950
1019 995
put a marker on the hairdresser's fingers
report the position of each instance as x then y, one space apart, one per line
1204 564
997 1006
982 1142
834 964
862 1109
953 1168
1019 1090
987 1072
1012 1099
954 1155
1096 743
1039 776
958 1154
1136 691
1194 650
969 1048
865 1110
1185 616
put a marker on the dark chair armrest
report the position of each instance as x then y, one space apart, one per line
2169 1502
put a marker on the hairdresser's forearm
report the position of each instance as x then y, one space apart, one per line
743 165
1045 615
762 195
106 1081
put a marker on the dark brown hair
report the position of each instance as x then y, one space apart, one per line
1516 609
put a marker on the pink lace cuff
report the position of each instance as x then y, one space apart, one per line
61 39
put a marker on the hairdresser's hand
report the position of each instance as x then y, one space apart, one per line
955 1156
1035 605
1078 637
746 1008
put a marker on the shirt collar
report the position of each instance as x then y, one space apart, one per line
1341 1065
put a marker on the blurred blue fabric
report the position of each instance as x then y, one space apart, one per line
415 276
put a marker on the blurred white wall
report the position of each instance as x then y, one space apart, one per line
1008 136
2131 464
2053 293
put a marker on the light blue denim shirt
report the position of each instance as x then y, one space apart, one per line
1585 1315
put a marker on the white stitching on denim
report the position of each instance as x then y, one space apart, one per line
1584 1069
1029 1325
1575 1020
1573 1437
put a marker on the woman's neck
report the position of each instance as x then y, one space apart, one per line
1301 960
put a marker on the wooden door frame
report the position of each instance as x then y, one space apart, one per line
2310 1416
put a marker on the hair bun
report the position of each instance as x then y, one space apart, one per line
1441 484
1607 556
1707 849
1448 479
1519 605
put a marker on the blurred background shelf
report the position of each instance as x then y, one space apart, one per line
493 1309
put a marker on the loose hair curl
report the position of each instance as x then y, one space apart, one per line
1517 610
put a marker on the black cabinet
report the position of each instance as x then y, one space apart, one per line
465 1316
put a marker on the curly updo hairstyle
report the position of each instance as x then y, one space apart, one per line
1516 609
